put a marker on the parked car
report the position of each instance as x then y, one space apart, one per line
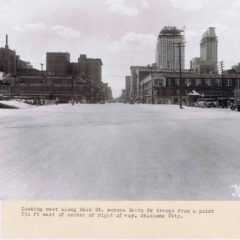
211 104
206 102
224 102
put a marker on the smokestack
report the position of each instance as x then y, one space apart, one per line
6 46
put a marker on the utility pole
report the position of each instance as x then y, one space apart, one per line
15 65
72 88
51 95
95 92
180 45
223 83
14 70
152 89
42 68
90 90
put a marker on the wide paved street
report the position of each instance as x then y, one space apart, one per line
119 152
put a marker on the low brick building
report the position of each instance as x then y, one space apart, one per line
164 87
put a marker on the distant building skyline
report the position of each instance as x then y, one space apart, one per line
122 33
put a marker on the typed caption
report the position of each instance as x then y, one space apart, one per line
111 213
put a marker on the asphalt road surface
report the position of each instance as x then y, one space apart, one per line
119 152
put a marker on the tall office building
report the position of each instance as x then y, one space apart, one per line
167 51
107 92
195 64
92 67
209 51
127 87
58 63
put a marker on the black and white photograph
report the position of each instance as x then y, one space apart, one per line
120 100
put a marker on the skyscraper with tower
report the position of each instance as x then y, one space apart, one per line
167 50
209 51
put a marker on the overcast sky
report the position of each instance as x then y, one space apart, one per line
120 32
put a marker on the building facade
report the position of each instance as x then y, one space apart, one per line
133 85
138 73
62 79
195 64
164 88
127 88
10 62
58 63
107 92
169 40
92 67
51 87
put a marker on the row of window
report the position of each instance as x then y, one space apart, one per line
206 82
2 87
193 82
39 89
30 82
